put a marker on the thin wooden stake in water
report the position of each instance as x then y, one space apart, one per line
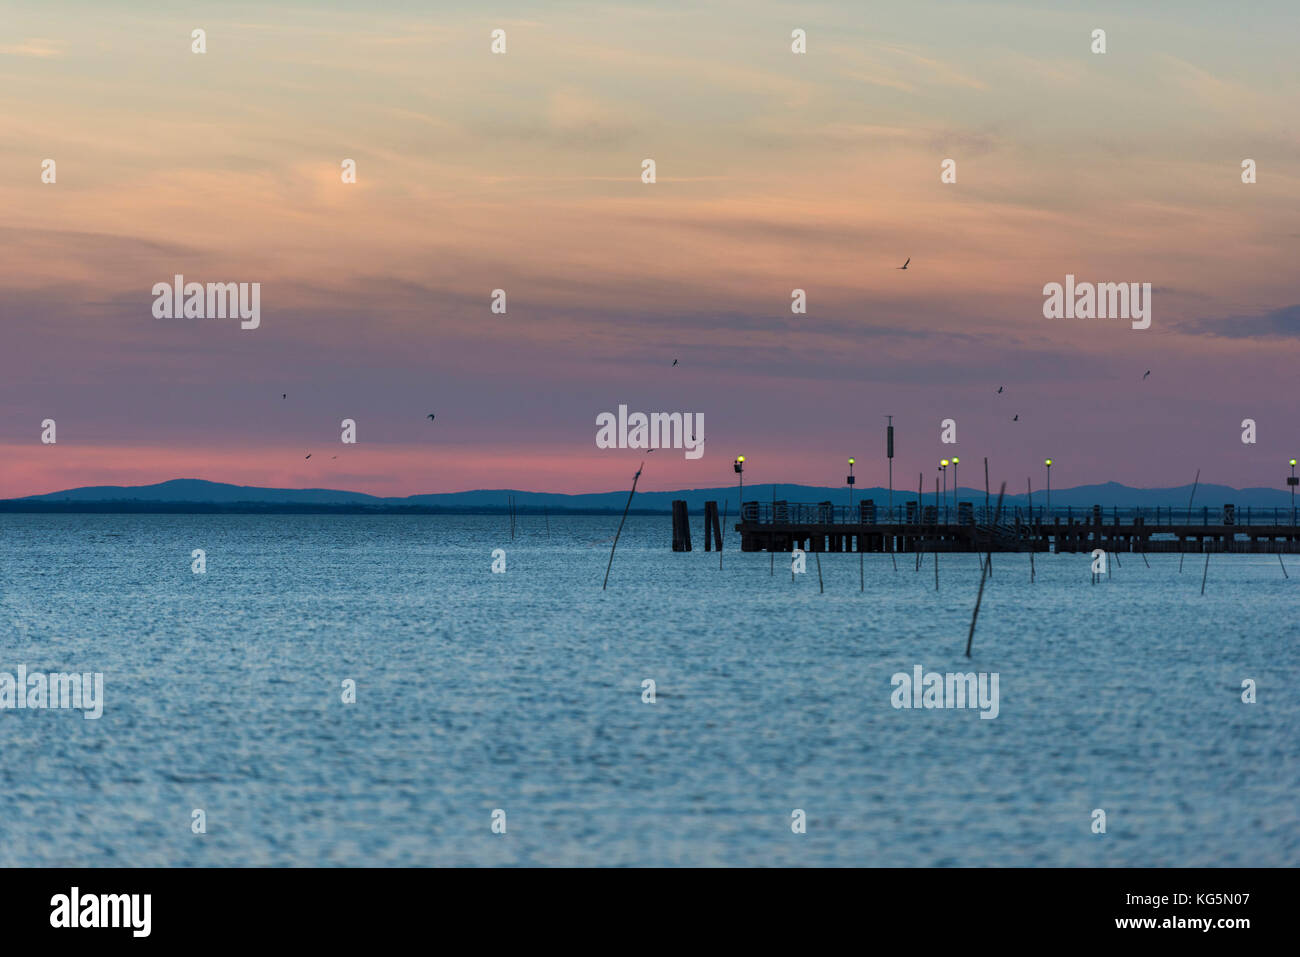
1189 515
983 575
1205 573
920 521
1029 488
936 538
818 556
1282 563
986 512
986 488
620 526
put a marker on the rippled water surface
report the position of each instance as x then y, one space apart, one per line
523 691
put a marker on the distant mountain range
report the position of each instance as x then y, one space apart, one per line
198 495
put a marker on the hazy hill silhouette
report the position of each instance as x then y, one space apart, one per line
216 496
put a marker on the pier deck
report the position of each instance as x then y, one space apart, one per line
821 527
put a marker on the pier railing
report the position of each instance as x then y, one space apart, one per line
908 513
913 525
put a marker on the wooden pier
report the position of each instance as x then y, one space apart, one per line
822 527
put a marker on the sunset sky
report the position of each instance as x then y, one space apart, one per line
522 171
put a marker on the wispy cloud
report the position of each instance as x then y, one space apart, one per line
1202 85
941 73
31 47
890 82
1281 323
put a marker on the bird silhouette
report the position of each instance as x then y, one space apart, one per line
999 390
429 416
284 395
333 456
1148 373
308 456
904 266
1016 419
674 362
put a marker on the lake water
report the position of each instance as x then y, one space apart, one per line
522 692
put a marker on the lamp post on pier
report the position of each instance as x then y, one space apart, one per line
889 452
1293 481
943 470
739 465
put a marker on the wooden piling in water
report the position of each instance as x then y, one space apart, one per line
724 518
682 527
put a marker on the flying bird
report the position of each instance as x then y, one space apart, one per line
1017 418
904 266
674 362
284 395
308 456
999 390
429 416
1148 373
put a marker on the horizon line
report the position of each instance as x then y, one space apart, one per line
727 487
